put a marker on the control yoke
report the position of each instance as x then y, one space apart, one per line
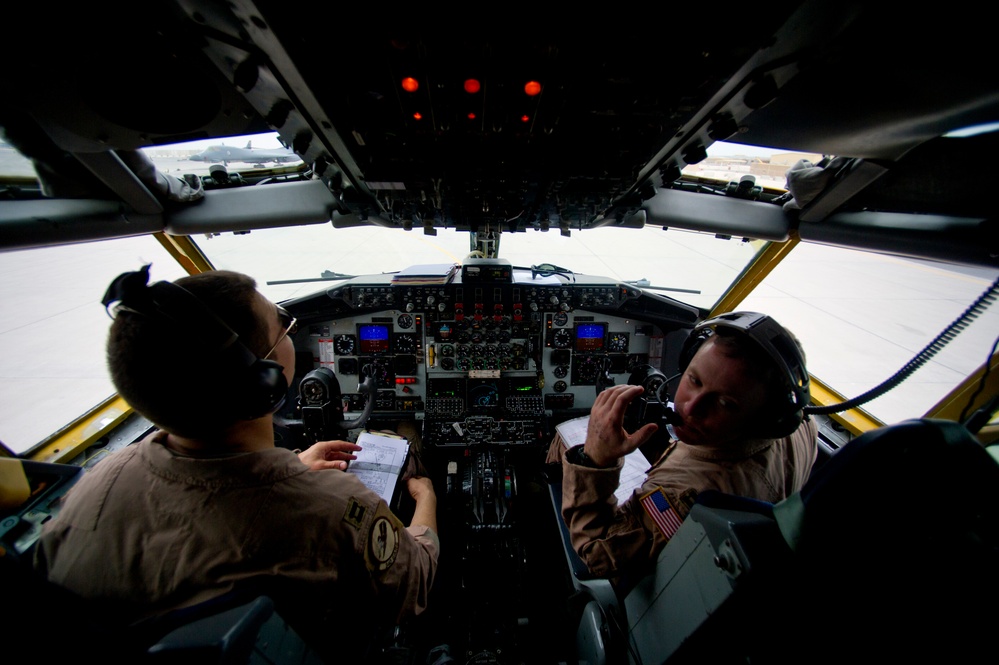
322 408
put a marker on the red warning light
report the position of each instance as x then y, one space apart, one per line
472 86
471 116
417 116
409 84
532 88
524 118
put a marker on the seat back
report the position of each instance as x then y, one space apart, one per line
594 605
898 540
225 631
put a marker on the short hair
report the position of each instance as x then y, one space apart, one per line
169 374
738 344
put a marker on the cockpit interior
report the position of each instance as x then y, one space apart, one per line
524 127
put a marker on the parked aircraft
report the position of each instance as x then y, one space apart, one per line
223 154
554 165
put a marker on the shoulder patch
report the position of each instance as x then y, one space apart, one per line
383 543
658 507
354 515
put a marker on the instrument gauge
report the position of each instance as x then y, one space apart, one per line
561 318
560 386
405 344
587 369
560 371
344 345
405 321
562 339
617 342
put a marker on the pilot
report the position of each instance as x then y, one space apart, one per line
741 431
207 504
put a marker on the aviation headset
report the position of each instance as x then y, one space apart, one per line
780 346
256 386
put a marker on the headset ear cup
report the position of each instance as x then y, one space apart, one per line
266 389
783 426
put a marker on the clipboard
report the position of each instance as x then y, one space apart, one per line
380 463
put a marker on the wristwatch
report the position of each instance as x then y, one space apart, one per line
578 456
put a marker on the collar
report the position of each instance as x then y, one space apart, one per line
263 467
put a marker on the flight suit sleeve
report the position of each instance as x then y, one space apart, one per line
610 538
401 561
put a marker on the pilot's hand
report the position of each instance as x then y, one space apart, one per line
606 439
329 455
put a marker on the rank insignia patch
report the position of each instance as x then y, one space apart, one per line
354 515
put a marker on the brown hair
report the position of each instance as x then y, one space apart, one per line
168 373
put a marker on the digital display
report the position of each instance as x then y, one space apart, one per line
590 336
483 395
374 338
522 385
443 388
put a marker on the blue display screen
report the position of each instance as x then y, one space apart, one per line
374 338
590 336
589 330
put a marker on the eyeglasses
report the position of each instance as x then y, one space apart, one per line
290 324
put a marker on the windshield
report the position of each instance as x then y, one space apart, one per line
694 268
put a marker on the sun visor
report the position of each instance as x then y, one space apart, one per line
717 214
247 208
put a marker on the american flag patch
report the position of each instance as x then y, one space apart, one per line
661 512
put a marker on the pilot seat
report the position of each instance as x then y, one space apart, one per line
889 552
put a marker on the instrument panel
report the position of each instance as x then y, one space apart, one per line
482 362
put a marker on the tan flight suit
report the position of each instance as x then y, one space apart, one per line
614 539
149 530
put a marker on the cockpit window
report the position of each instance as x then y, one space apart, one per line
236 153
694 268
54 331
13 164
735 162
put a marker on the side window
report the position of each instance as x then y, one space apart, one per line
53 331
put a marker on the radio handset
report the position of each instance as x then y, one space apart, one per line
321 404
653 405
